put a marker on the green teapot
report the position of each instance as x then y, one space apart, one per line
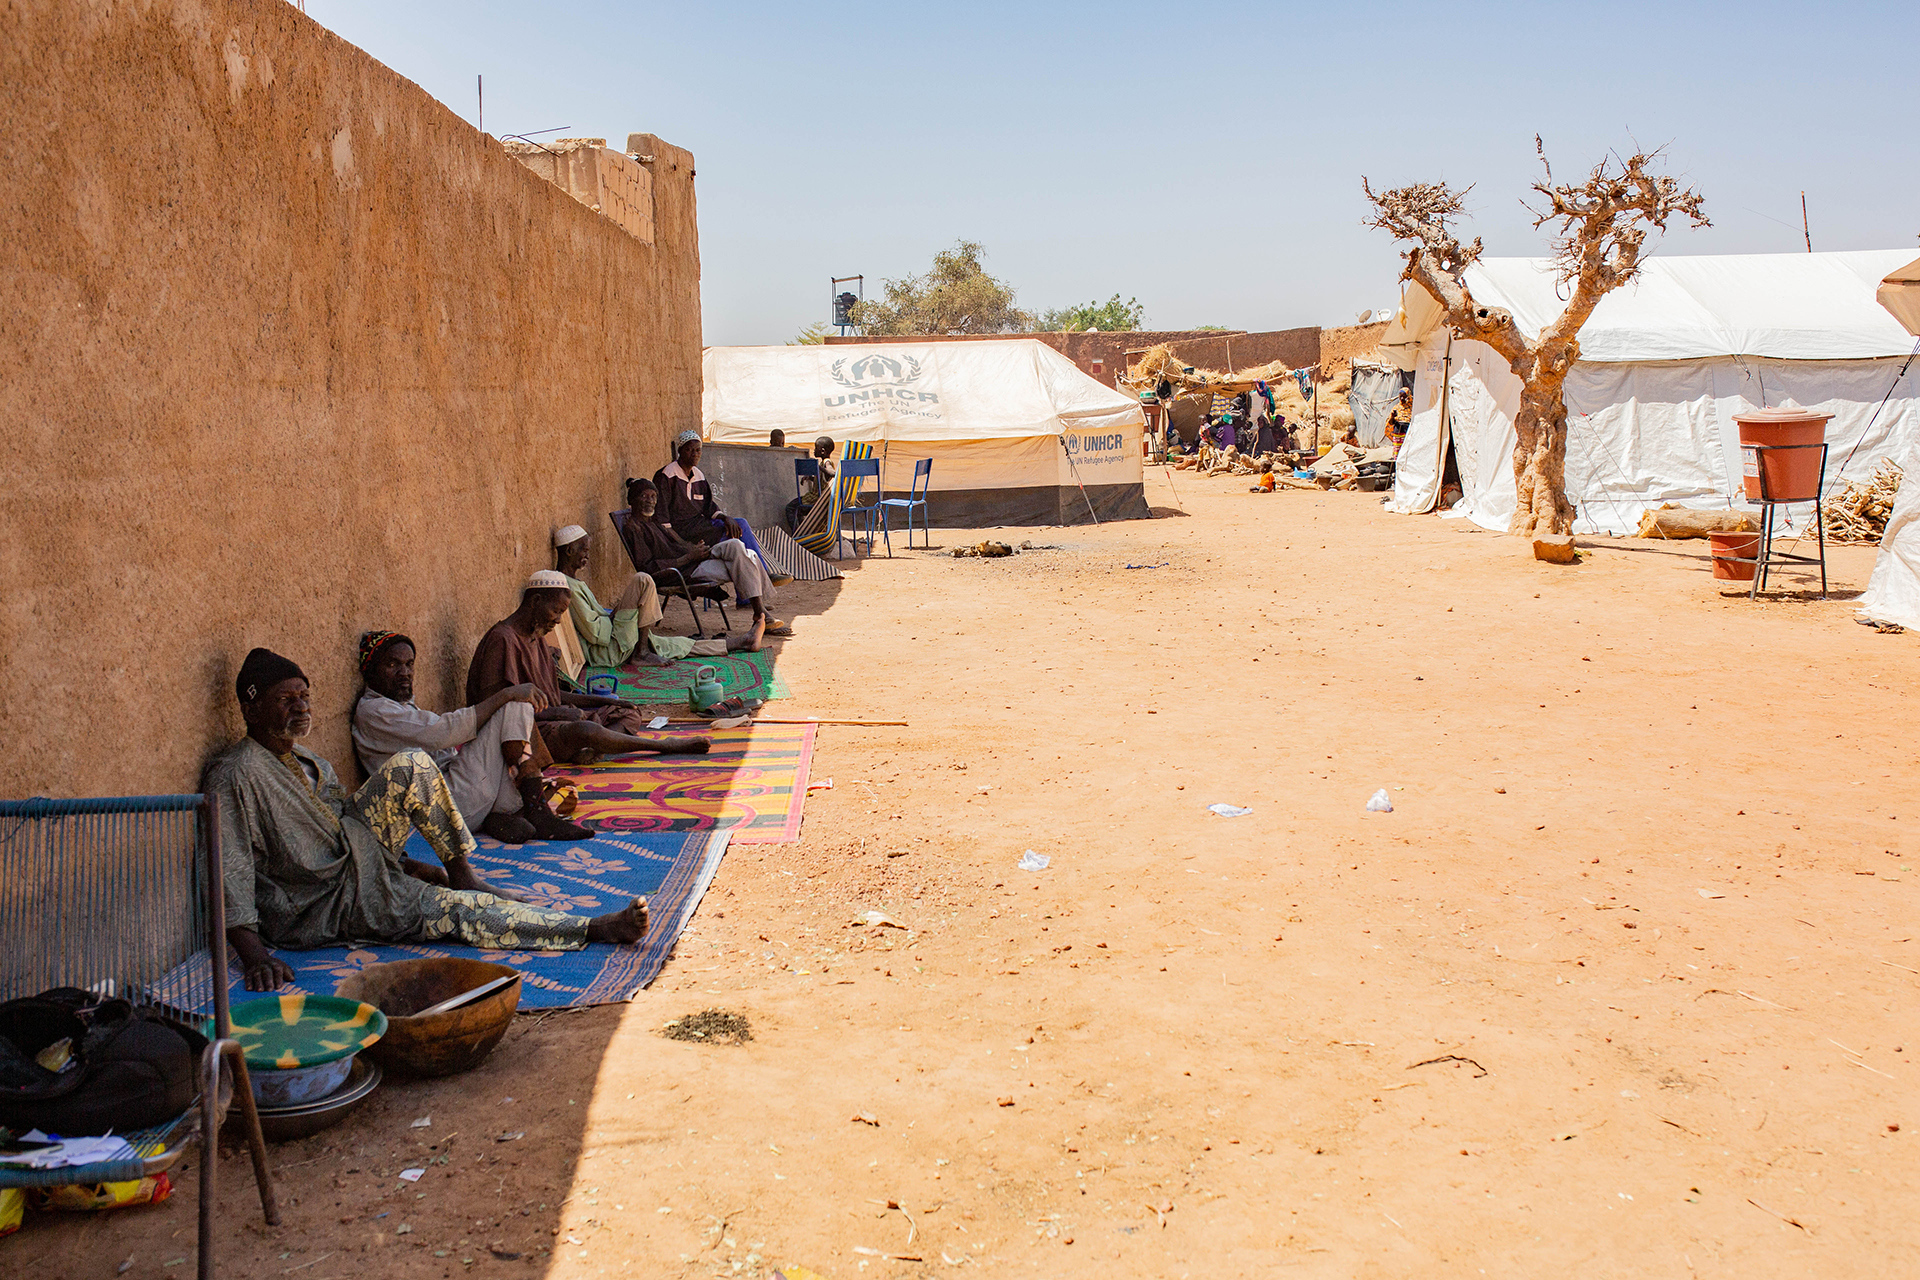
706 689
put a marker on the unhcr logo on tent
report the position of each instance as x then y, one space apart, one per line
875 370
878 378
1105 444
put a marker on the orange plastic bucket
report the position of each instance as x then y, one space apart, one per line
1792 474
1729 549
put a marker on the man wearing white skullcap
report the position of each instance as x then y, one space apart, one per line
609 636
575 727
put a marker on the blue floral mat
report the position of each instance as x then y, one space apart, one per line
671 870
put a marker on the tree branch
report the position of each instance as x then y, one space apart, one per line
1438 262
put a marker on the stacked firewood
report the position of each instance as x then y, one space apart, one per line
1858 512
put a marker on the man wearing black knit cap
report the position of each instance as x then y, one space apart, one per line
308 865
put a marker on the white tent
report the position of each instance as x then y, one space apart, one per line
1017 434
1893 593
1665 365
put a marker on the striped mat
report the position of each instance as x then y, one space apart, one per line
753 784
784 555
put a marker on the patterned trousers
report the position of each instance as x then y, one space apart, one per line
408 793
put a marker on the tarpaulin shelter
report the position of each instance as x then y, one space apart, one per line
1893 593
1018 435
1665 364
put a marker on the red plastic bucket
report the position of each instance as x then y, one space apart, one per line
1729 549
1792 474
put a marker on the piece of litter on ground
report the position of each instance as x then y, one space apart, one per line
825 784
1031 861
511 1137
1708 893
1379 803
1228 810
865 1117
412 1175
1163 564
658 722
404 1229
424 1122
880 919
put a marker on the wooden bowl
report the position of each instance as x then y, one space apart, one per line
444 1044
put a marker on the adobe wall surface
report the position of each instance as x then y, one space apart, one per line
1339 348
293 352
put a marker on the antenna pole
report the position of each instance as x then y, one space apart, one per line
480 89
1803 222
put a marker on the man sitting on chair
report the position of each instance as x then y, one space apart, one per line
658 549
576 727
609 636
687 503
485 751
305 864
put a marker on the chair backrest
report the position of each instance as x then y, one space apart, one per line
805 469
118 895
619 519
857 470
922 477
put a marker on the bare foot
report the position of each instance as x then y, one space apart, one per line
654 660
620 927
586 756
678 746
757 636
461 875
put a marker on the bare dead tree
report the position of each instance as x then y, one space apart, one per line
1600 230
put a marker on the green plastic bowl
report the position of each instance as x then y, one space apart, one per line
300 1047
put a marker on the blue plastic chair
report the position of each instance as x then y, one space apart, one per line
804 469
857 471
922 477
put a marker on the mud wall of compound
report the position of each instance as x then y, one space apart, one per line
292 352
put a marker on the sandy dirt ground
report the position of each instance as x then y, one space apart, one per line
1623 986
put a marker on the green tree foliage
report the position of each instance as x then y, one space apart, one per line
812 336
1111 316
955 296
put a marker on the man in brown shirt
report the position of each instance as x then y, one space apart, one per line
576 727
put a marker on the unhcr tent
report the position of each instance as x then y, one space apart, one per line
1893 593
1017 434
1665 365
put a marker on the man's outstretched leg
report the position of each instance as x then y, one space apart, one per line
408 794
583 741
485 920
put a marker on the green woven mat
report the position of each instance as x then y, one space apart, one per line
745 675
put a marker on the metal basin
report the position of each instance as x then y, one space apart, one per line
285 1124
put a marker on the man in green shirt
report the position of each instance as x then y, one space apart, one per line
609 636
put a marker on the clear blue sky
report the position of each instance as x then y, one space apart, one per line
1205 158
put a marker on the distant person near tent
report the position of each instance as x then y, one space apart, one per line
819 531
1399 420
812 487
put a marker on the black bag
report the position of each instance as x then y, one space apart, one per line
129 1068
